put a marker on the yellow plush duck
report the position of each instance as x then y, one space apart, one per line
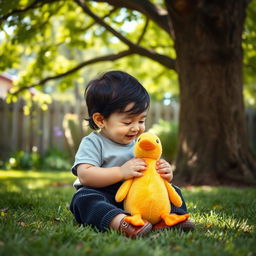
149 196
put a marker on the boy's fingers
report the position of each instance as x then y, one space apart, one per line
164 171
140 161
138 174
161 161
167 176
140 168
162 165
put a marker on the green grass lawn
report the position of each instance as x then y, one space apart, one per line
35 220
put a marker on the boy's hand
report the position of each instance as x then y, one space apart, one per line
133 168
164 169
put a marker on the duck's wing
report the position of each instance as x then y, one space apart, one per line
123 190
173 195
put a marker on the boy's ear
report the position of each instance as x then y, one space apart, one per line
98 120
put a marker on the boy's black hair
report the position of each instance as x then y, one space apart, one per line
112 92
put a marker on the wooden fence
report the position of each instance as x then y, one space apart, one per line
41 130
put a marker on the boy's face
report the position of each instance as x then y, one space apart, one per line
123 128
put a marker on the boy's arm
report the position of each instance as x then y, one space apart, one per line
94 176
97 177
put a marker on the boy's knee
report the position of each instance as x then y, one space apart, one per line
88 199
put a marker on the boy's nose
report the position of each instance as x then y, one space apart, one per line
135 128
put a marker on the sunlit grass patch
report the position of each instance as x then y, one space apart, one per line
16 180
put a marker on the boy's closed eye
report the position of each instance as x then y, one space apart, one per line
127 123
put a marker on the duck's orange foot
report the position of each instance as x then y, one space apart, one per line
173 219
135 220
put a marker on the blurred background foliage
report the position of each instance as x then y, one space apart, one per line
53 159
168 134
249 47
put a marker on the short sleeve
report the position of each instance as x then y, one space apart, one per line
89 152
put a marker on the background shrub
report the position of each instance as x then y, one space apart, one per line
53 159
168 134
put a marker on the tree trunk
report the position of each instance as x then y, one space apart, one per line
213 147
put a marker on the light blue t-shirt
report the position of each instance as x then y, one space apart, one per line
97 150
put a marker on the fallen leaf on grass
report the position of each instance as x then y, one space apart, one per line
22 223
217 207
2 243
176 248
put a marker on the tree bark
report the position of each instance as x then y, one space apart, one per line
213 147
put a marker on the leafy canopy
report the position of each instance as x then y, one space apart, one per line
43 41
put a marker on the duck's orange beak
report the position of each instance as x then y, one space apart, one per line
147 145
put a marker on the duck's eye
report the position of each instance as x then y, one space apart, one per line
157 141
138 139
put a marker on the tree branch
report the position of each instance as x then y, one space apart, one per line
111 57
143 32
162 59
133 48
33 5
152 11
85 8
94 22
